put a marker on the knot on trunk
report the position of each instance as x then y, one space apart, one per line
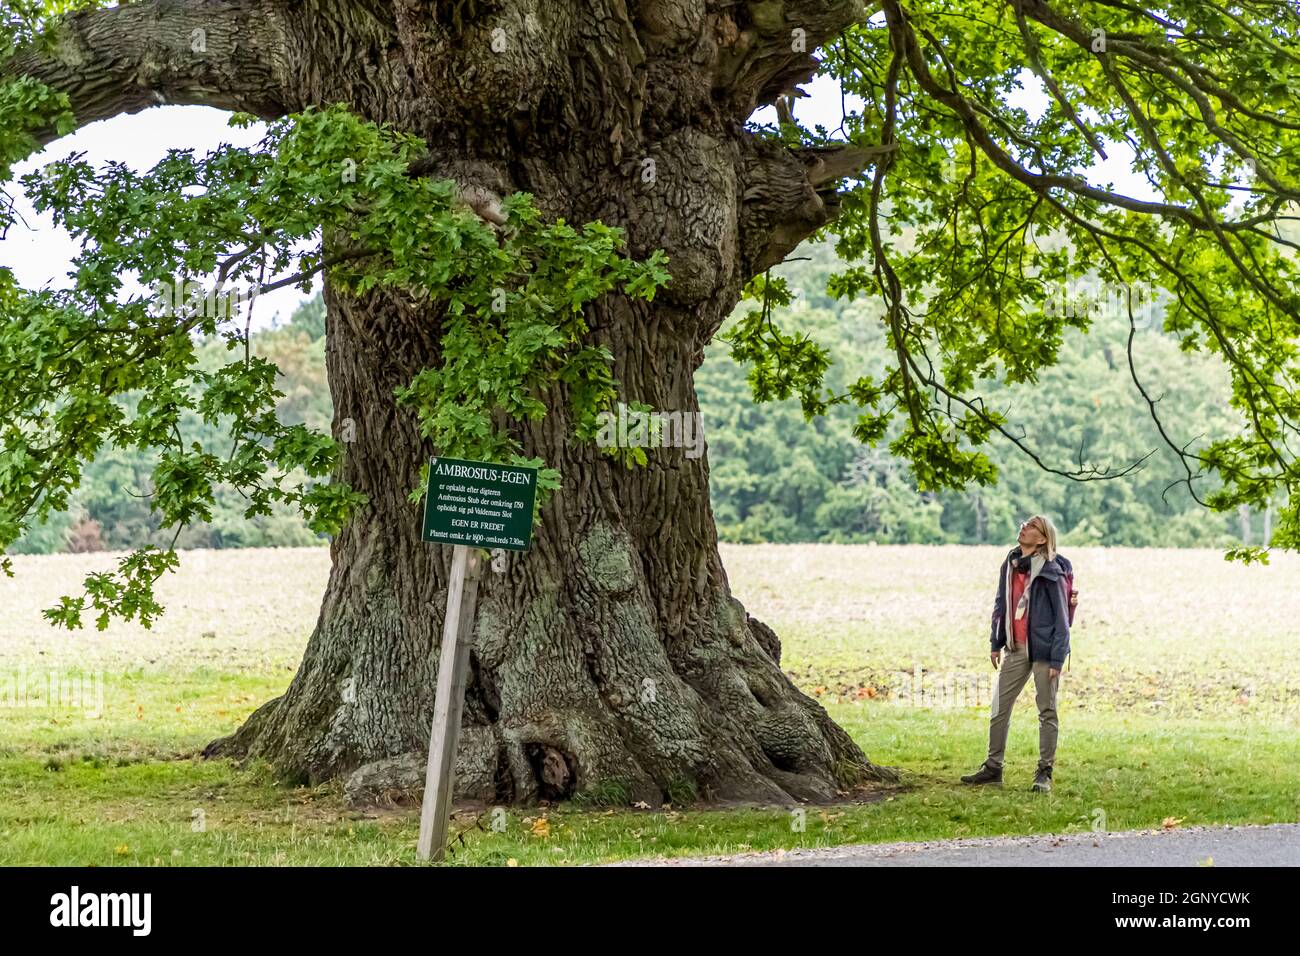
684 201
554 770
766 638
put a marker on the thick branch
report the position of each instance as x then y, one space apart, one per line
765 49
829 164
230 54
789 195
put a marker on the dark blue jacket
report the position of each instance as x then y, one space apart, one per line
1049 625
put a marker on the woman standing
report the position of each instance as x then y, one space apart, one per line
1034 638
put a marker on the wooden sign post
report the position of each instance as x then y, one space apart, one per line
457 633
470 505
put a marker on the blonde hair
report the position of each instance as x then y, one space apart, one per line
1049 532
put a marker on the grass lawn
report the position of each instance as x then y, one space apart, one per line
1181 707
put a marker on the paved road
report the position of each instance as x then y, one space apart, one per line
1274 845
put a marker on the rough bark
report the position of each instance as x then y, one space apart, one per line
611 661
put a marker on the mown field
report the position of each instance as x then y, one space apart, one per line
1181 706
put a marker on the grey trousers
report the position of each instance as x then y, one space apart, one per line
1012 675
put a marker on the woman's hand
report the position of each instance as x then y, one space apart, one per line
996 655
1053 673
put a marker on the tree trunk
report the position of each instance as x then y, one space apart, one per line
611 660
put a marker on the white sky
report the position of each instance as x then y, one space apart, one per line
40 254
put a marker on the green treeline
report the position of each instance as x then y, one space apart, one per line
777 477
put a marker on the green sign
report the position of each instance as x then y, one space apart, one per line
479 504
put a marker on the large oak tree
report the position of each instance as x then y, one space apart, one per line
428 159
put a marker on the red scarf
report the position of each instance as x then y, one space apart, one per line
1019 625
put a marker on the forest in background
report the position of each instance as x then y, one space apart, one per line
777 477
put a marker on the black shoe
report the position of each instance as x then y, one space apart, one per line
985 774
1043 780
